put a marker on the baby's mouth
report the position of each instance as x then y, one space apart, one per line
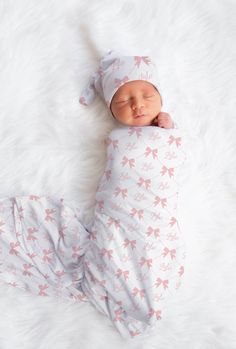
140 116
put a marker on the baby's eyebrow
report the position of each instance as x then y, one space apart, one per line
148 89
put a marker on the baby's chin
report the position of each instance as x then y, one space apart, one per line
143 122
140 121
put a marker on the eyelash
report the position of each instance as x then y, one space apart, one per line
149 96
122 101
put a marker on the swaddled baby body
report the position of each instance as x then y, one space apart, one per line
130 259
136 253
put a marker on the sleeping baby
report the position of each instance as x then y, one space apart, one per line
130 259
135 258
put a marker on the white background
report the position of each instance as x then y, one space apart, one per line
51 145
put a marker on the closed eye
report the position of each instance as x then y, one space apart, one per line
149 96
122 101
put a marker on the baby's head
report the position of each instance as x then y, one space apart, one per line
130 87
136 103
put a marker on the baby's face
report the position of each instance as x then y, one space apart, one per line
136 103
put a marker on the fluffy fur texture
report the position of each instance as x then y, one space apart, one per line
51 145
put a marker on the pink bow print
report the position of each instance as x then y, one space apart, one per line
137 292
170 155
148 246
172 236
114 221
76 250
144 261
165 170
114 143
80 297
107 253
146 182
139 59
177 141
104 297
118 288
100 204
181 270
165 267
14 246
172 253
20 211
82 101
125 161
163 186
160 282
155 232
42 289
101 282
108 174
93 235
26 269
62 232
151 151
134 333
136 130
46 257
124 273
60 273
173 221
156 313
34 197
139 213
119 82
128 242
119 313
31 255
158 201
31 231
48 214
123 192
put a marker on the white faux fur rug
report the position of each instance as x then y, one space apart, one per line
50 145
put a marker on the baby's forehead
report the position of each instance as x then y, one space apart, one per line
135 86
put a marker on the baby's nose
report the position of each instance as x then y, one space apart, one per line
137 104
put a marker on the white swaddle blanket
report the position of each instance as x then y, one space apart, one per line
130 259
136 254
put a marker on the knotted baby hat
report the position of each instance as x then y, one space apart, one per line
114 71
